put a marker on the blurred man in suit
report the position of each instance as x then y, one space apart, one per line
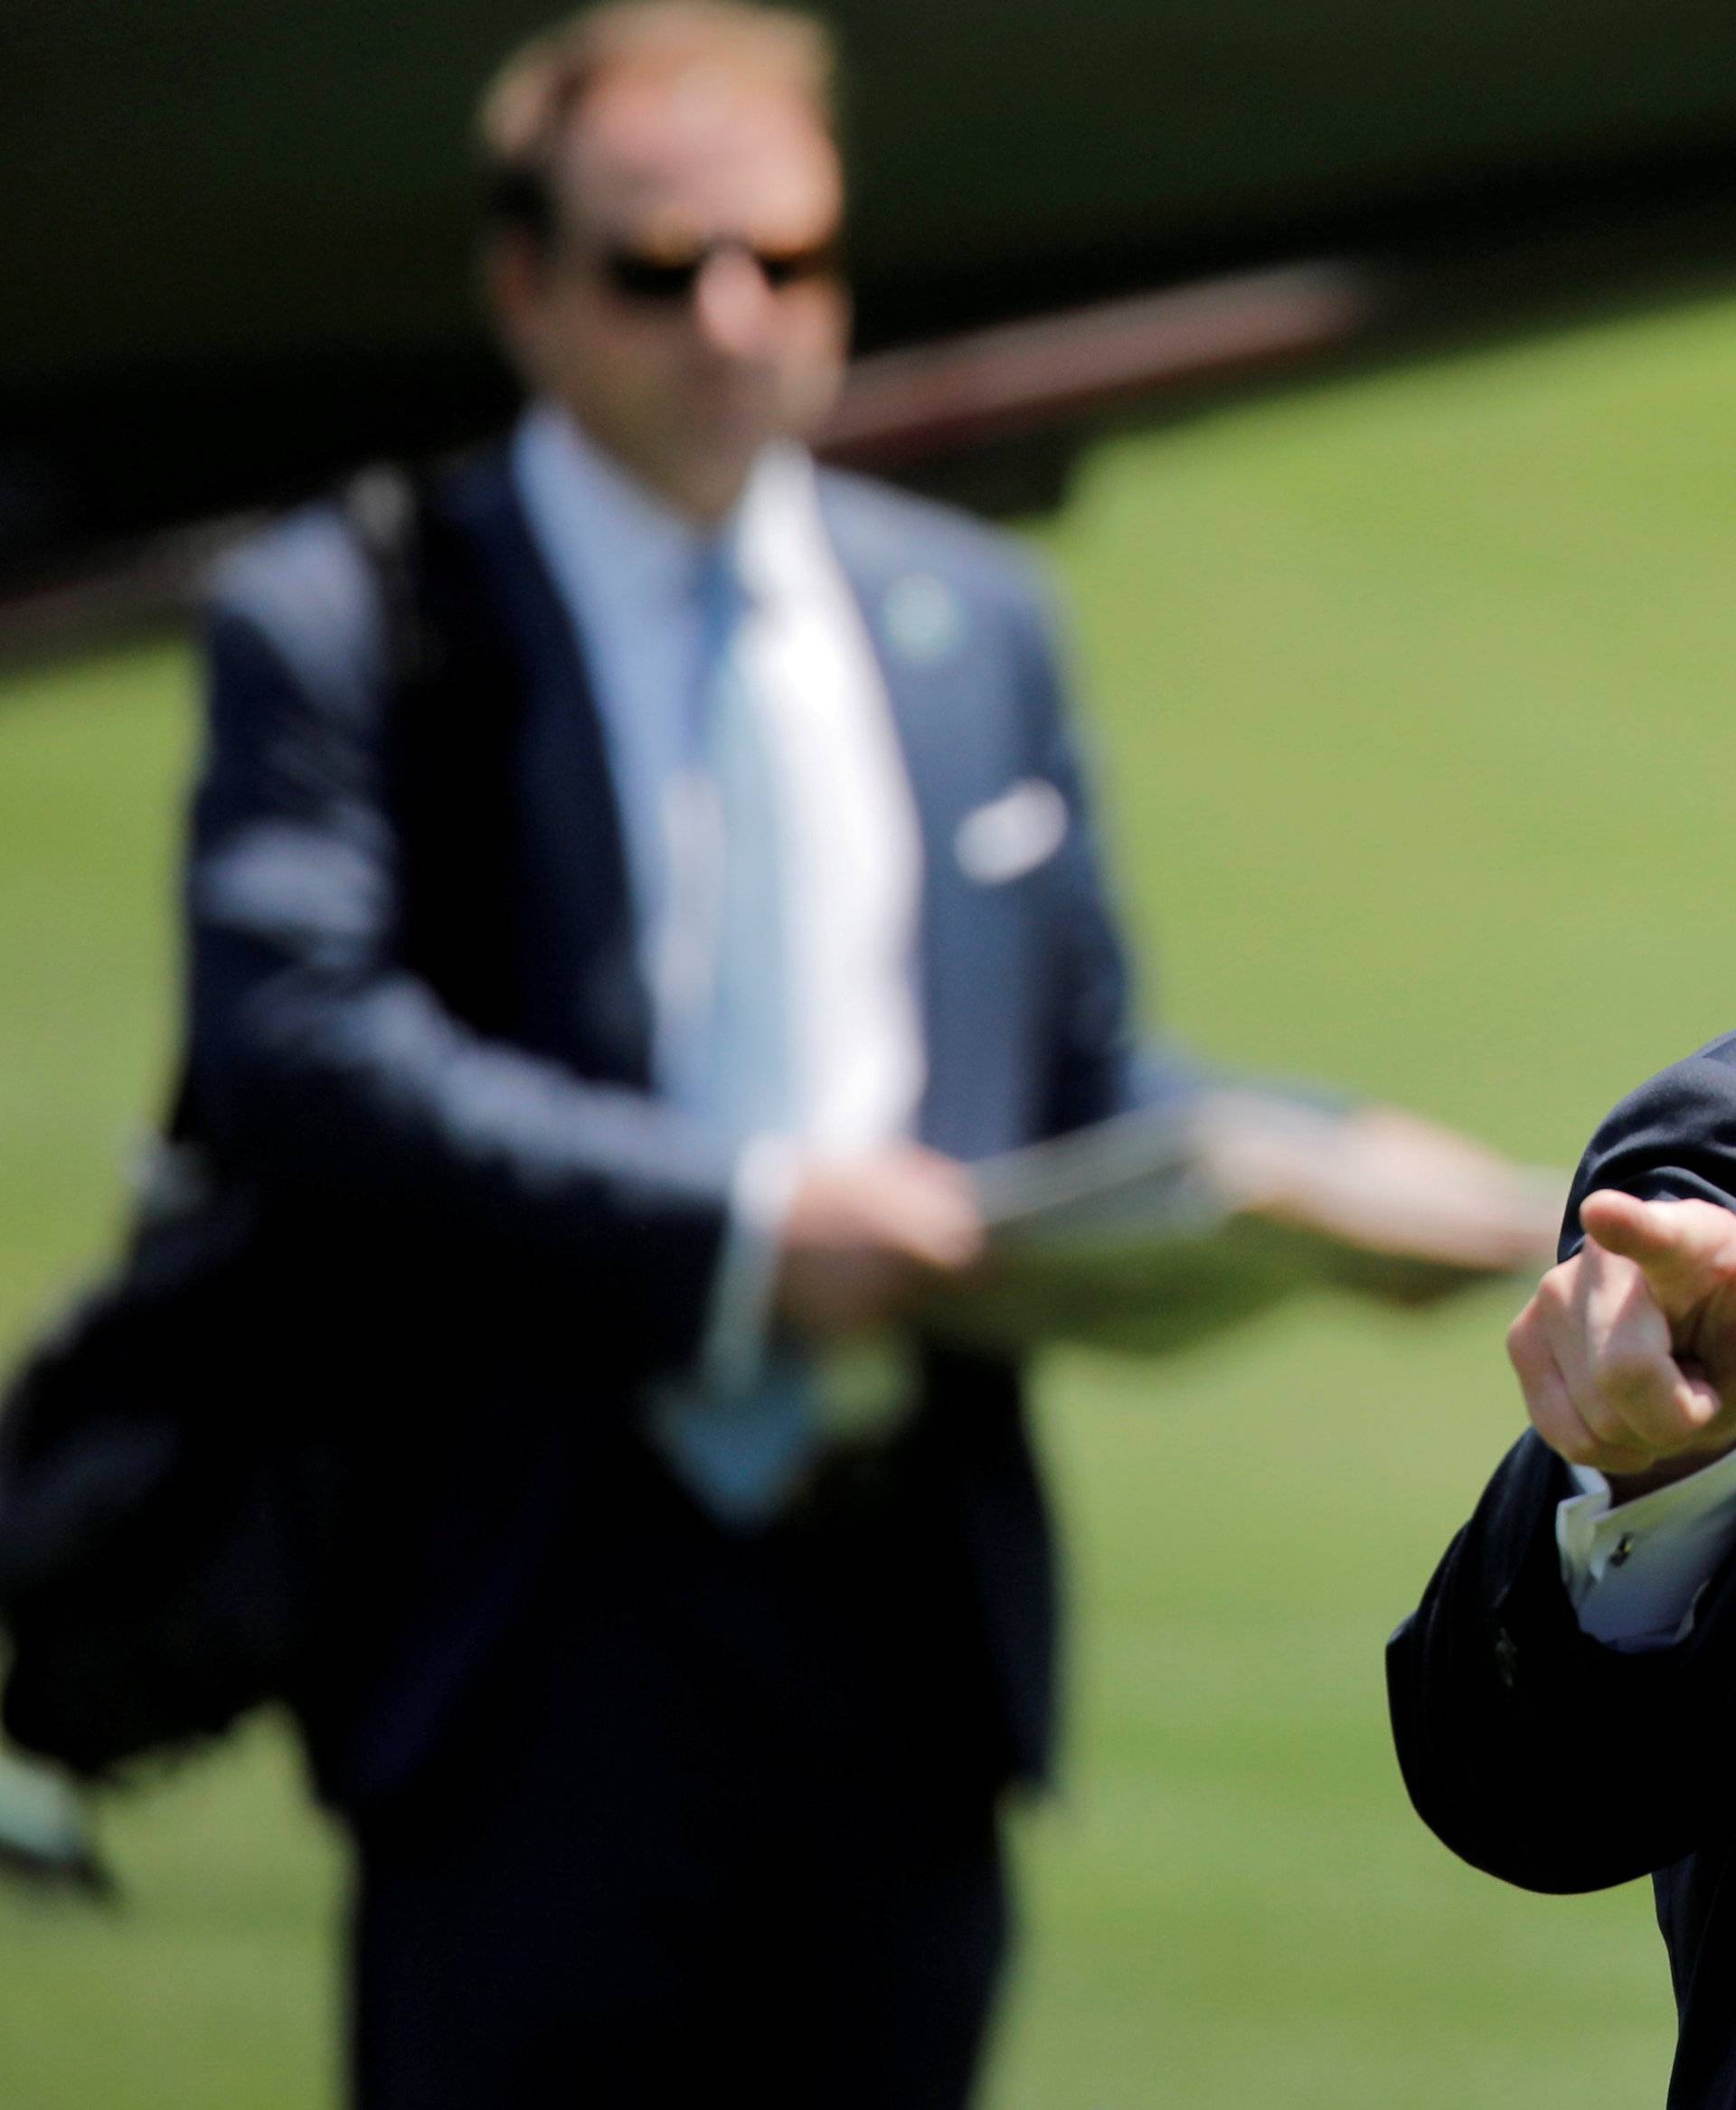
607 991
1562 1697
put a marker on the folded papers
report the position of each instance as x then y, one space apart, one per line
1153 1230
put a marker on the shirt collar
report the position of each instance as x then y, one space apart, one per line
604 521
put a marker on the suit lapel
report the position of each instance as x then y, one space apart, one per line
584 998
955 727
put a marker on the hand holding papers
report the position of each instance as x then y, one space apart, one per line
1153 1230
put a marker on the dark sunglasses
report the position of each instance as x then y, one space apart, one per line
658 280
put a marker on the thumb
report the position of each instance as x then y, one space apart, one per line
1683 1248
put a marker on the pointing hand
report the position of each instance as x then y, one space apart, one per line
1627 1354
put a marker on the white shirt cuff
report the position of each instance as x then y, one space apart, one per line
1633 1572
734 1345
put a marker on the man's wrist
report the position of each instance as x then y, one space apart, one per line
740 1320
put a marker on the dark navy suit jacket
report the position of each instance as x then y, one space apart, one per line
1534 1751
494 1235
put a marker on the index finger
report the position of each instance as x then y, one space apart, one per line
1684 1250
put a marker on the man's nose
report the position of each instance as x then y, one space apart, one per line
733 303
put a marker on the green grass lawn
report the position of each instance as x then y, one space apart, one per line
1410 699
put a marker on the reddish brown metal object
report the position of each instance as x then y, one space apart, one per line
945 398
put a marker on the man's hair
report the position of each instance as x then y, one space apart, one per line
526 116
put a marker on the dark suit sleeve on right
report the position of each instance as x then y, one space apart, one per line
1532 1751
1673 1140
325 1069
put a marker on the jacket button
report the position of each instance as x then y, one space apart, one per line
1506 1657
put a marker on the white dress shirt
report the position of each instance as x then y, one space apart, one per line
627 570
1633 1571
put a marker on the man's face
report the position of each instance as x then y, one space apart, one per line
685 372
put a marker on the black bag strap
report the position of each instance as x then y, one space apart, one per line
385 507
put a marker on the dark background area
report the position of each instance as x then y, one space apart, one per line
237 239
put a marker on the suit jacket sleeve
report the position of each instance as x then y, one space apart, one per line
1533 1751
321 1067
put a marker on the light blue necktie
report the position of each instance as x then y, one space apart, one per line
740 1451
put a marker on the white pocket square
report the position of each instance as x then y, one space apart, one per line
1012 834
